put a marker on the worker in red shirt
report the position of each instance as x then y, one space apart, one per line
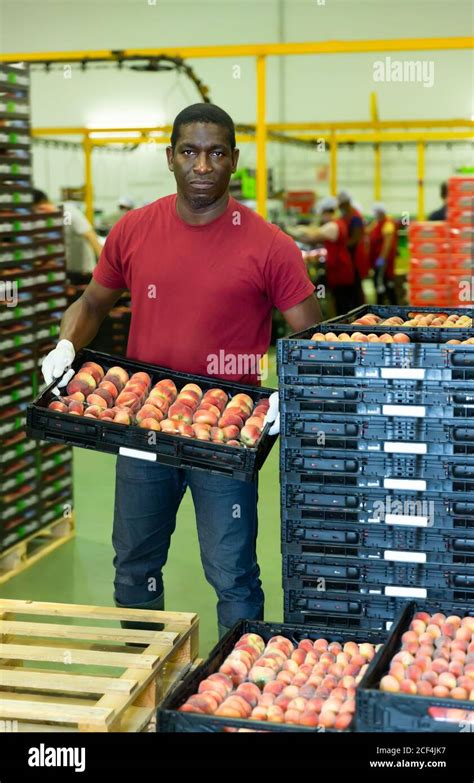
204 273
383 237
332 235
357 243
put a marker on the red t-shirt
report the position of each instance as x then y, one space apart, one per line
202 296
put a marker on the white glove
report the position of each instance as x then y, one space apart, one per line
58 360
273 415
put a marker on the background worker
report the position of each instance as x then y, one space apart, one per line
440 213
217 269
83 246
383 238
332 234
356 240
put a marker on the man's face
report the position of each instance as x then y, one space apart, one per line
327 215
345 207
202 163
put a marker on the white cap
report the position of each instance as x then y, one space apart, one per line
379 208
126 201
343 197
327 204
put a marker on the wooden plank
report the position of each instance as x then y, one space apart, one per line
16 566
178 619
50 711
65 683
136 719
63 631
110 658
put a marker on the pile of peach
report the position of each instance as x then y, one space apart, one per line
117 397
313 684
436 658
358 337
417 319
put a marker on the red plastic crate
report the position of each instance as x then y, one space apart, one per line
462 234
460 201
429 263
460 185
439 295
429 247
459 218
428 229
426 278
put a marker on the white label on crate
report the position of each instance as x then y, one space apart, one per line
406 592
404 410
406 519
404 448
404 557
136 454
416 484
413 374
388 625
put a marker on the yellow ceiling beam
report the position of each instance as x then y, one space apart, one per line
250 50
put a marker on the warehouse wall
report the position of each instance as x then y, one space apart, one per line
305 88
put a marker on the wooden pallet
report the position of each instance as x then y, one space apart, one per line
32 548
90 678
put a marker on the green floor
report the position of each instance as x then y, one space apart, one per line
81 571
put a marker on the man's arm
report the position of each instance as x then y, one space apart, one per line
313 235
303 315
92 238
82 319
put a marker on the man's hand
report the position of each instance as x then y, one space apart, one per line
273 415
380 262
56 362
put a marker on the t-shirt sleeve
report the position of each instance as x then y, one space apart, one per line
285 274
109 271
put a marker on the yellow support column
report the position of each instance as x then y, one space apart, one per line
333 165
377 172
89 193
421 180
261 137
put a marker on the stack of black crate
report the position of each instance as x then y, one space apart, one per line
32 280
377 473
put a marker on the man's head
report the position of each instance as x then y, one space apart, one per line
125 204
443 191
344 200
41 202
379 210
202 155
327 209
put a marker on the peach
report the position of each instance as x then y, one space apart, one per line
185 430
165 389
120 373
390 684
242 397
438 619
351 648
114 380
234 443
109 387
410 636
320 645
401 337
367 651
218 688
300 679
299 656
423 662
86 377
307 691
418 626
463 634
93 365
123 417
228 418
96 399
456 668
260 675
170 427
217 435
430 677
422 616
224 711
149 424
107 414
231 432
203 416
334 648
425 650
327 719
180 412
297 704
201 431
448 679
142 377
408 686
434 630
250 649
282 701
189 398
275 687
158 402
291 691
255 421
414 672
275 714
424 688
439 665
309 718
250 435
151 412
78 396
448 629
459 693
348 706
78 386
128 400
217 397
285 676
336 669
58 406
201 703
440 691
223 679
311 658
292 716
349 682
76 407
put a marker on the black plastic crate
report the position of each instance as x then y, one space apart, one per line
300 358
387 434
20 472
366 506
354 575
376 542
402 311
337 468
169 719
380 711
305 607
374 398
175 450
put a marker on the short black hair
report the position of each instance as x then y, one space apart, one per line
39 196
444 189
203 112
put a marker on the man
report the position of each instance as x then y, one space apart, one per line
204 273
440 214
332 234
356 240
83 246
383 237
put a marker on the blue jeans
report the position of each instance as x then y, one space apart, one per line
147 498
